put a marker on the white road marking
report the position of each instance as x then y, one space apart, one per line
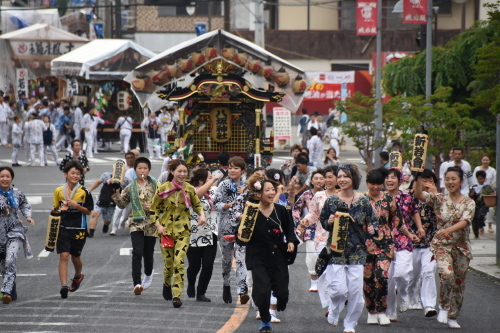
44 254
29 275
126 251
34 200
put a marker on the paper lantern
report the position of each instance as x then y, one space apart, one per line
240 59
299 85
282 78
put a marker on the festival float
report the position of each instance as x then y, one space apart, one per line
221 83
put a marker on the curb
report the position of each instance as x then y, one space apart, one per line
484 274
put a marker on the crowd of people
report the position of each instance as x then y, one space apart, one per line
41 126
380 249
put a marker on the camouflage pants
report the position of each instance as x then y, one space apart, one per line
173 258
228 250
8 263
452 267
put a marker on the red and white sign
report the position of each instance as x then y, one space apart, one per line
282 124
415 11
330 85
366 17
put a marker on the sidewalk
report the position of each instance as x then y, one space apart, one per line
483 249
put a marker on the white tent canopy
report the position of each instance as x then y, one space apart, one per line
102 59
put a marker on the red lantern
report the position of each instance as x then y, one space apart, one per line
186 65
299 85
141 83
210 52
240 59
253 65
159 76
198 58
228 53
267 72
282 78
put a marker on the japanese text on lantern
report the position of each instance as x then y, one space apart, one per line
419 152
21 82
340 230
221 124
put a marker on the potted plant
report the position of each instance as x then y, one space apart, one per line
489 196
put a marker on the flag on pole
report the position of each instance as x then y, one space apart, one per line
415 11
366 17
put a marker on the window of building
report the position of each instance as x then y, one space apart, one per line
209 8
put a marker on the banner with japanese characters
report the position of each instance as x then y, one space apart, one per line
282 123
415 11
366 17
330 86
21 82
72 89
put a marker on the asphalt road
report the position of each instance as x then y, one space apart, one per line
105 301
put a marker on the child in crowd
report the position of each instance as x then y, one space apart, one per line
75 203
481 209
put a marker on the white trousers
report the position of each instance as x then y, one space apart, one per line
89 140
78 131
4 133
153 149
15 155
119 217
400 272
34 147
343 282
61 140
27 153
51 148
125 135
311 256
422 286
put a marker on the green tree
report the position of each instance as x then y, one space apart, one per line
486 86
445 121
361 125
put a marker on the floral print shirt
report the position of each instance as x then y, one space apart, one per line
429 221
226 219
361 212
10 223
300 209
408 207
383 242
312 216
449 214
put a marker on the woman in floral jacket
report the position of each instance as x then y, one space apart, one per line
450 245
299 210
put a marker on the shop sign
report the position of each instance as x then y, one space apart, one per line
21 82
282 123
366 17
72 86
221 124
42 48
415 11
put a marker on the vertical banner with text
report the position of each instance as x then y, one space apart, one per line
21 82
415 11
282 123
366 17
72 87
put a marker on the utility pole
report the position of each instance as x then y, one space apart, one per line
259 24
118 19
108 20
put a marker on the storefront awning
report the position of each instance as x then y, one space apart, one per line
102 59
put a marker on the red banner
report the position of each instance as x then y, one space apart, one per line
415 11
366 17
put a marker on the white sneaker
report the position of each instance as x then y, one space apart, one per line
146 282
392 317
372 319
430 311
383 320
275 319
403 307
314 286
443 316
331 320
415 306
257 314
453 323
